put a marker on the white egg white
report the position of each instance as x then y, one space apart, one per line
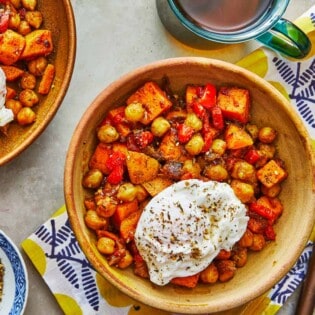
6 115
183 228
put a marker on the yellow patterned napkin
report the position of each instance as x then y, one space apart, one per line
76 286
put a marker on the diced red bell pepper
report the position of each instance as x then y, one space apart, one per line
143 138
105 121
252 156
209 96
207 136
131 143
4 21
115 159
217 117
116 175
208 133
117 115
184 133
198 109
270 233
262 210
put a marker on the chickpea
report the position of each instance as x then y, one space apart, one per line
26 116
94 221
226 269
253 131
107 134
258 242
192 167
240 257
24 28
127 192
14 105
243 191
28 98
218 146
142 194
125 261
160 126
272 191
247 239
134 112
34 18
28 81
37 66
29 4
195 144
267 135
223 254
106 206
210 274
106 245
193 121
266 151
92 179
14 21
244 171
216 172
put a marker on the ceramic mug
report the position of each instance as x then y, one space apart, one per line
201 23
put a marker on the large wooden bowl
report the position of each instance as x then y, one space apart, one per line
263 269
59 18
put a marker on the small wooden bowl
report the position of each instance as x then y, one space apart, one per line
263 269
59 18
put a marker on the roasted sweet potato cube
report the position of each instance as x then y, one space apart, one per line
47 80
188 281
234 103
100 157
11 47
153 99
37 43
128 225
156 185
12 73
271 173
169 148
191 94
236 137
123 211
141 167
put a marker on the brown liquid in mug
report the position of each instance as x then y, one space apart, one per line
223 16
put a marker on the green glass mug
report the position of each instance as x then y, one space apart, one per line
200 23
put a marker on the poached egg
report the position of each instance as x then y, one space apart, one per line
184 227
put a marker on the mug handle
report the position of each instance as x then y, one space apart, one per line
288 39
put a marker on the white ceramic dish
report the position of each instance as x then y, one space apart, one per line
15 284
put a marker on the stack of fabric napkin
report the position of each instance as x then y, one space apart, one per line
79 289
